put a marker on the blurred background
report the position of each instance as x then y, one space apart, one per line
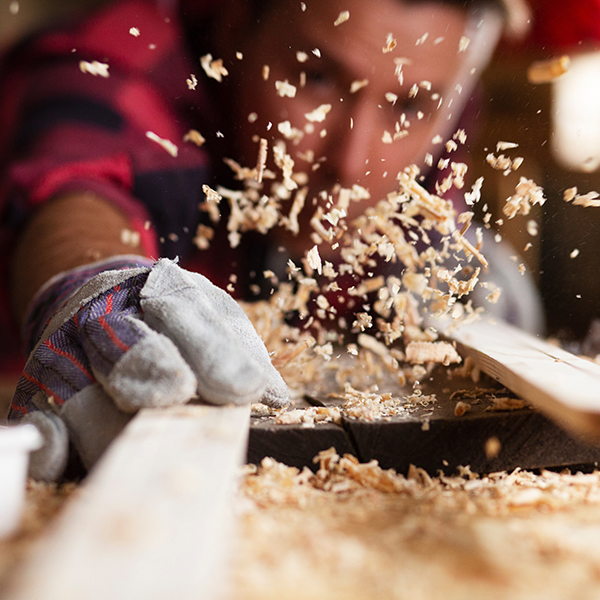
557 128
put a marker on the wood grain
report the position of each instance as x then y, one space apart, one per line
566 387
153 520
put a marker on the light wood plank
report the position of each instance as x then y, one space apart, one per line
566 387
154 519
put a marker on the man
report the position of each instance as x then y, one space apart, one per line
99 182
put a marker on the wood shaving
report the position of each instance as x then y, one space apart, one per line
436 352
527 194
591 199
356 530
492 447
213 68
285 89
96 68
192 82
548 70
130 238
532 228
203 237
357 85
500 146
318 115
167 145
390 43
342 18
505 403
195 137
461 408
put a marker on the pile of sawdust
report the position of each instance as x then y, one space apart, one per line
357 531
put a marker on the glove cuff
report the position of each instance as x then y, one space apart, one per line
56 291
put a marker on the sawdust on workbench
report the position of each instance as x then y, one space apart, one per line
43 503
356 531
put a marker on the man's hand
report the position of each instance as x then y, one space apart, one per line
136 338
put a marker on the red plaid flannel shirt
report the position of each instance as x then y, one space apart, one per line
63 130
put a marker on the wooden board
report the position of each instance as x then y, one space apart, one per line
153 520
566 387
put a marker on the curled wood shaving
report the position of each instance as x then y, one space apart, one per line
167 145
436 352
94 68
213 68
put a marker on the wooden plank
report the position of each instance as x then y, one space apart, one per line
153 520
566 387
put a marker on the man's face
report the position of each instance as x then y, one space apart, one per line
350 144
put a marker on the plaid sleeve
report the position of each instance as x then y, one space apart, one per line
65 130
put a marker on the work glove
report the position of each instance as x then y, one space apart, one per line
150 336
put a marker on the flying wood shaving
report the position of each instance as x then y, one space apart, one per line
506 146
527 194
212 203
195 137
548 70
94 68
167 145
342 18
284 88
463 243
504 163
318 115
439 210
262 159
192 82
314 259
357 85
435 352
390 43
591 199
286 163
213 68
204 236
289 132
378 348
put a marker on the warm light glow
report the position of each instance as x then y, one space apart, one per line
576 114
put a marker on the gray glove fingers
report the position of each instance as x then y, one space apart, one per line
174 304
49 462
93 422
152 373
276 393
237 319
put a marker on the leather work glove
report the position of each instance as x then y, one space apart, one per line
135 338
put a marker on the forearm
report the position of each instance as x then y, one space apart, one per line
68 232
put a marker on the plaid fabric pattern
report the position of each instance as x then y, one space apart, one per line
64 131
52 296
92 341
